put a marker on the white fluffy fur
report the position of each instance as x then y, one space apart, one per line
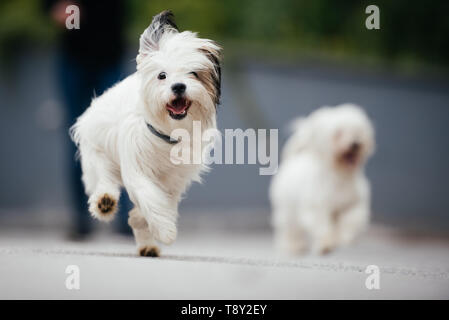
318 199
116 147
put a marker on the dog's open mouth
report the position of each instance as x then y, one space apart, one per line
177 108
350 157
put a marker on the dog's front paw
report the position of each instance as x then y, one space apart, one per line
291 248
103 207
325 245
107 204
289 244
149 251
165 232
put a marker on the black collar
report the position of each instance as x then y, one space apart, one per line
159 134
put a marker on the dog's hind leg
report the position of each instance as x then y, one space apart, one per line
352 222
101 180
146 244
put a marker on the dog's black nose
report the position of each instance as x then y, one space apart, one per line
178 88
355 146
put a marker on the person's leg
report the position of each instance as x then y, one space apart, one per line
76 94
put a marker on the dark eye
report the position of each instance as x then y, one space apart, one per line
162 76
194 73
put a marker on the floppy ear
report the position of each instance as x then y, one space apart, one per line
213 81
149 40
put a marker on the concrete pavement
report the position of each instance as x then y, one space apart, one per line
214 264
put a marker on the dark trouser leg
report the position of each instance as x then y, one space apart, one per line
76 93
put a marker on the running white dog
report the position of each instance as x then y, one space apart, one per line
124 137
320 194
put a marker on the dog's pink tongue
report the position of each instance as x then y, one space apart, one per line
178 106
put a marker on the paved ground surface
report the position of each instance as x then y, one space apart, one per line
207 264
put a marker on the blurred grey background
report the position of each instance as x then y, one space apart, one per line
409 172
404 89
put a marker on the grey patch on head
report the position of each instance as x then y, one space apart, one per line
162 23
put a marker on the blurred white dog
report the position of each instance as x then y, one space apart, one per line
124 136
320 195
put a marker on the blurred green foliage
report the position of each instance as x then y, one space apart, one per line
22 22
410 32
